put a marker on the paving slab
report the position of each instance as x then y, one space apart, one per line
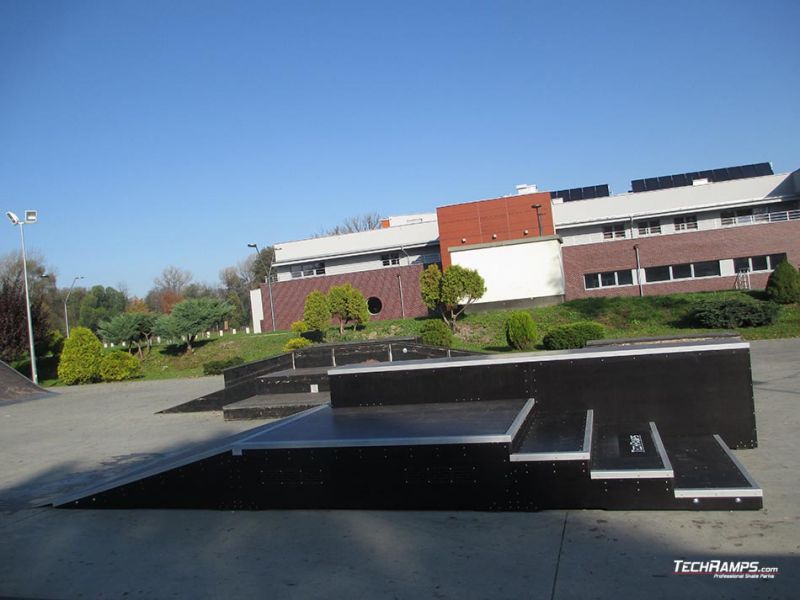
58 443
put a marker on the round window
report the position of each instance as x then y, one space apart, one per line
374 305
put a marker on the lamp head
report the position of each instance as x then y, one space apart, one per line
252 245
13 218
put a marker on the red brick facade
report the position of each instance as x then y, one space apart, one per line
487 221
289 296
657 250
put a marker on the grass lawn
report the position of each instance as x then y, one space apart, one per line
623 318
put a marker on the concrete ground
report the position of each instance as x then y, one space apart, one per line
78 436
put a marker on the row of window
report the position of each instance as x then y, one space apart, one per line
707 268
649 227
737 216
308 269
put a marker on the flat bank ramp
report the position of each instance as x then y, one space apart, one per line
15 386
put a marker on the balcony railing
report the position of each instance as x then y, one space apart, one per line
771 217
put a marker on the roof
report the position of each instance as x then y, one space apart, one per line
363 242
675 200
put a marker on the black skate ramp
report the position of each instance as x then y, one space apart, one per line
15 386
624 427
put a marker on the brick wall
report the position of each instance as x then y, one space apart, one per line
289 296
505 218
729 242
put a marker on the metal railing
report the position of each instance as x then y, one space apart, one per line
771 217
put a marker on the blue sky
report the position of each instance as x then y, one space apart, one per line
150 134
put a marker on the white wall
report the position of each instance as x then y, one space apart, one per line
516 271
257 305
367 262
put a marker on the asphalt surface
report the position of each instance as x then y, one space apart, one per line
79 436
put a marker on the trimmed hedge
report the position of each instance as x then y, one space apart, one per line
435 332
296 344
521 331
727 313
216 367
80 358
119 366
783 285
574 335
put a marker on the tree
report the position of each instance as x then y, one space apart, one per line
101 304
14 343
317 313
364 222
452 292
81 357
783 285
131 328
191 317
173 279
347 304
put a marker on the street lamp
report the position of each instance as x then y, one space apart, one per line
538 217
269 282
30 219
66 314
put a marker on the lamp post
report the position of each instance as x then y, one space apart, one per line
538 217
30 218
66 313
269 282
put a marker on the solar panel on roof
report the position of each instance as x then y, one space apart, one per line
584 193
685 179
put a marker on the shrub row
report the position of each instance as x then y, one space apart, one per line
83 360
742 311
216 367
574 335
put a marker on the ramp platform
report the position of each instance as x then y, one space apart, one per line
486 433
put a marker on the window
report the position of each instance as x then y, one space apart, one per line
685 223
682 271
608 279
656 274
709 268
308 270
613 231
649 227
374 305
392 258
757 263
740 215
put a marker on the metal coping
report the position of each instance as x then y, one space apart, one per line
505 438
664 473
584 454
528 357
181 460
752 492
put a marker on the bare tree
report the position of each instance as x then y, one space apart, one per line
173 279
364 222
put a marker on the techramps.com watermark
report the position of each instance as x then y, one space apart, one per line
725 569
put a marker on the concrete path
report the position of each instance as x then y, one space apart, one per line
64 441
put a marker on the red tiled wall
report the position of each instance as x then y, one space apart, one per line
290 296
507 218
730 242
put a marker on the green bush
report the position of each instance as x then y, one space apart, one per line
296 344
436 333
119 366
574 335
80 358
317 313
521 331
299 327
783 285
215 367
726 313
